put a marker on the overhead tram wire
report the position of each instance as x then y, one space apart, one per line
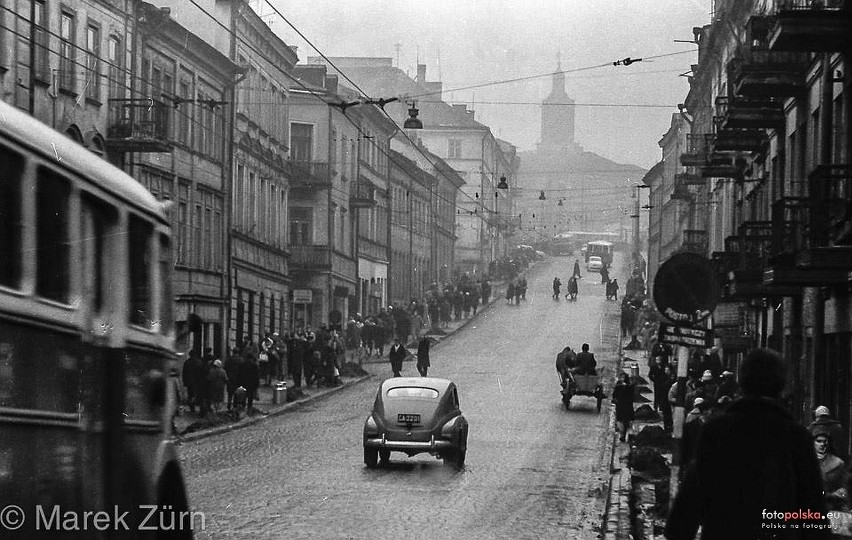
476 202
298 81
532 77
104 77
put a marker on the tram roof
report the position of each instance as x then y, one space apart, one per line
65 153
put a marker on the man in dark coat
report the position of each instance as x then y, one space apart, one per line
249 378
622 396
586 363
396 355
232 369
423 356
750 461
190 374
486 292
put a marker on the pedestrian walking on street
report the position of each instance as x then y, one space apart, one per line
397 355
604 275
423 356
556 286
576 272
510 292
572 289
751 459
622 395
523 283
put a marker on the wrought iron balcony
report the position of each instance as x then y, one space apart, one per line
687 179
831 199
790 239
362 194
320 258
309 175
811 25
721 165
698 147
139 125
758 71
694 241
749 113
740 140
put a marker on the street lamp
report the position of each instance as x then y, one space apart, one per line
412 122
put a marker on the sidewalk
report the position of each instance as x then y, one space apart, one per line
190 426
638 502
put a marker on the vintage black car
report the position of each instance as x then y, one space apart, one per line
415 415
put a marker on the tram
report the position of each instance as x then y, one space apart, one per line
86 333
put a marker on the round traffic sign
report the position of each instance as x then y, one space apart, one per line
685 289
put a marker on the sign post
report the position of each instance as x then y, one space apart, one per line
686 293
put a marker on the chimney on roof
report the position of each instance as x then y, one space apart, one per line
331 83
421 73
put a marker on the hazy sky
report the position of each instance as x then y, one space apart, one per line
467 42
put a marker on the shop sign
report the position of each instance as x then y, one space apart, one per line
303 296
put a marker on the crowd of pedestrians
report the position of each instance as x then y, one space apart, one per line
746 462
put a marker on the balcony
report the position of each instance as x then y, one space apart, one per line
689 179
749 113
721 165
320 258
372 250
761 73
830 241
811 25
697 149
694 241
790 222
740 140
362 194
139 125
754 244
309 175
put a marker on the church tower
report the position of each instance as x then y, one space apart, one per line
557 116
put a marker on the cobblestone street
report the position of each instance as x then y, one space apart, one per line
533 469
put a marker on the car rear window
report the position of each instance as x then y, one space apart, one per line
413 391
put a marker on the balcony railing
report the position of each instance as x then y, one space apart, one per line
789 228
764 73
320 258
373 250
749 113
694 241
362 194
697 149
139 125
755 244
811 25
687 179
739 140
309 174
831 205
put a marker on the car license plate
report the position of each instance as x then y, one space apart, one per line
408 418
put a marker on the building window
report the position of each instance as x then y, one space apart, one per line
454 149
301 225
115 55
67 30
42 43
301 142
93 62
183 116
183 222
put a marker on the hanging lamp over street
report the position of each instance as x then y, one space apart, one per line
542 197
412 122
502 184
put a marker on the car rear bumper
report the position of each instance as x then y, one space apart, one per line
432 445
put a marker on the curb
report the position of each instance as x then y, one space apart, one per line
203 434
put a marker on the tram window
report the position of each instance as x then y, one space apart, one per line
39 369
52 242
139 242
166 319
96 217
10 218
